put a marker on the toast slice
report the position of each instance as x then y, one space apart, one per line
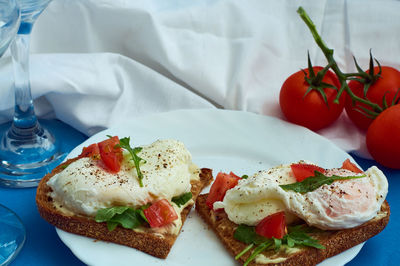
155 244
334 241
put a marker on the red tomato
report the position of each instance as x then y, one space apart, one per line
233 175
383 138
310 111
160 213
110 154
351 166
301 170
273 225
90 151
222 183
388 83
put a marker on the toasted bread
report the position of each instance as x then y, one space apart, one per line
334 241
155 244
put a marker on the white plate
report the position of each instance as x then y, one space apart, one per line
224 141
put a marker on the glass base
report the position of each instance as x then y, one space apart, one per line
25 157
12 235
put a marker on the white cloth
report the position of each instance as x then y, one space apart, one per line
99 62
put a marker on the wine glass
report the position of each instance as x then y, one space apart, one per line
12 231
28 149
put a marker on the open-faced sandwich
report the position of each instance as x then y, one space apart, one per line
296 214
138 197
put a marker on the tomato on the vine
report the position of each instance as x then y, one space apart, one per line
383 137
310 110
387 84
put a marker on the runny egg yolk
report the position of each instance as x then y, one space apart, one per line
342 204
348 197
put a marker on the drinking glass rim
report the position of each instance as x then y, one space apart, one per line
10 5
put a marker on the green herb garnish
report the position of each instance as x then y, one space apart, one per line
182 199
297 235
124 216
245 176
64 166
263 246
124 143
247 234
301 238
313 182
244 251
277 243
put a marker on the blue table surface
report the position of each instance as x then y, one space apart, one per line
43 247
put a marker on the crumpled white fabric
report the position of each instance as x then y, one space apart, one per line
96 63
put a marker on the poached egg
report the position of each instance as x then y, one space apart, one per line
343 204
85 186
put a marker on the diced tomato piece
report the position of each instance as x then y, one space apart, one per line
273 225
233 175
110 154
160 213
222 183
351 166
90 151
301 170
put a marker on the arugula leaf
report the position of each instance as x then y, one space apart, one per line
244 251
64 166
258 250
124 143
182 199
247 234
312 183
303 228
277 243
104 215
140 210
297 236
290 242
121 215
128 219
301 238
111 226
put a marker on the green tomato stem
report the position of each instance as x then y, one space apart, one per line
331 61
350 75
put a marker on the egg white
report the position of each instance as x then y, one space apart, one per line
85 186
343 204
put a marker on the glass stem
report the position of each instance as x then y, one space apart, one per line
24 115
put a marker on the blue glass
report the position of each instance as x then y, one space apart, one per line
12 231
12 235
9 22
28 150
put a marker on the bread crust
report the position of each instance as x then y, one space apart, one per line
335 241
154 244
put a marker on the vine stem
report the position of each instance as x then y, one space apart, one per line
329 56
